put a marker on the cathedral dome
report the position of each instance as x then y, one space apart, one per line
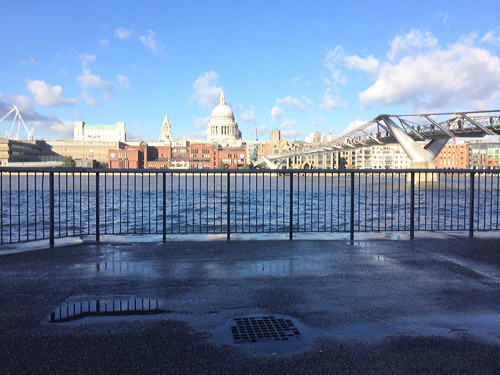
222 109
222 126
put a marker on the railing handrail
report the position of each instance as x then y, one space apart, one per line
240 171
389 183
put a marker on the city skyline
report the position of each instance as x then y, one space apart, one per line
297 67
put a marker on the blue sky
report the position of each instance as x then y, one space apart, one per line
300 66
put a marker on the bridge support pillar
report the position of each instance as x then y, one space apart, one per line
423 177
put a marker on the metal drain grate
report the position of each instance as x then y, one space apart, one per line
267 328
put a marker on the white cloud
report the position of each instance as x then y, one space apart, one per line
206 93
290 103
330 101
150 42
87 59
122 33
436 77
87 80
292 134
48 96
147 39
411 42
441 17
201 122
369 64
89 100
248 115
333 59
276 112
491 37
104 43
123 81
353 125
30 61
288 123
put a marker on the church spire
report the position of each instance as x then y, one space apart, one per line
222 97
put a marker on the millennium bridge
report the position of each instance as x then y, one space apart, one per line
410 131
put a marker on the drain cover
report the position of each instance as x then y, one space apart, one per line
267 328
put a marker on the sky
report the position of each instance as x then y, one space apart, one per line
299 66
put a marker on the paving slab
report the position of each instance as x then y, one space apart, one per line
383 305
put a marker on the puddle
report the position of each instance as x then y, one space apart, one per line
78 310
268 335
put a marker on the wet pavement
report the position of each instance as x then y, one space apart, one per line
378 305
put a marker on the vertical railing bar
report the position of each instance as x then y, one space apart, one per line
491 201
385 201
478 214
51 209
372 200
34 204
412 205
28 207
10 207
164 207
359 202
120 200
366 202
186 212
1 208
471 206
18 206
135 202
228 195
485 201
97 208
325 199
105 203
43 205
66 203
351 231
290 209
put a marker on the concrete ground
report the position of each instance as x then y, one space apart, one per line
376 306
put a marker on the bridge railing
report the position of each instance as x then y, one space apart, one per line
51 203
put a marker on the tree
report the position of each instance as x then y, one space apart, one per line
68 162
221 165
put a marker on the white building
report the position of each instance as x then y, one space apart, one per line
105 133
390 156
222 127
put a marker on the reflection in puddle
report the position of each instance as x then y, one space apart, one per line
70 311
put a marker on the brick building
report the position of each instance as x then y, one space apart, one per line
181 155
453 156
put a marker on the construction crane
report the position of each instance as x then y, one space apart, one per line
17 121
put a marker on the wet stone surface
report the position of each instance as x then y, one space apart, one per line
382 307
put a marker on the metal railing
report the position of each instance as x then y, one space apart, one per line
52 203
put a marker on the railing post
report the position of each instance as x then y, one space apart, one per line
290 229
164 207
412 205
228 185
471 207
51 209
351 229
97 221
